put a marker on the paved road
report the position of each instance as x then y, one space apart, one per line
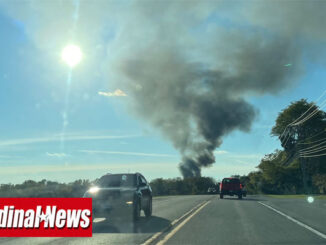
247 221
209 220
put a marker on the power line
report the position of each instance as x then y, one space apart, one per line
277 154
287 159
295 122
285 140
317 148
307 156
314 150
314 103
322 95
306 143
286 128
290 158
314 142
311 115
314 146
289 136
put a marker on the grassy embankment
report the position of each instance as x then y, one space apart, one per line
298 196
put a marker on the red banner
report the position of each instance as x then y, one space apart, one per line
45 217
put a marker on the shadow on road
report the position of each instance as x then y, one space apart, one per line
256 199
144 225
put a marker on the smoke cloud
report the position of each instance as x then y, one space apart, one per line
189 67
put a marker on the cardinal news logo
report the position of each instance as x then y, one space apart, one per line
45 217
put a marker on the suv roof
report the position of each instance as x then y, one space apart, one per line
231 180
122 173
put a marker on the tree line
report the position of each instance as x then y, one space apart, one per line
179 186
160 186
45 188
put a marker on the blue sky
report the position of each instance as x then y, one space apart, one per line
101 134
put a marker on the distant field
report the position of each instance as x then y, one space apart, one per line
298 196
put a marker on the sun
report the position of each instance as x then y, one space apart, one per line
72 55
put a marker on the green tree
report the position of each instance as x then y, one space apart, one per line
319 181
289 133
299 126
278 178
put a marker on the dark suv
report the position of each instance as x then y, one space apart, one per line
121 195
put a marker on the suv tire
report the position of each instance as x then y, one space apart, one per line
136 210
149 208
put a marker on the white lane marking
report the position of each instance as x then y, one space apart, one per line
96 220
322 235
176 229
156 235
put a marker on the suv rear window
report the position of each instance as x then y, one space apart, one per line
231 181
117 180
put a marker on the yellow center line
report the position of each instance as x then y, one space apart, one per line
178 227
156 235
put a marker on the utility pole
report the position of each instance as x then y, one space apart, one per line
302 162
304 173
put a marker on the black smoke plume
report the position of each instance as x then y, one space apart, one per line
191 79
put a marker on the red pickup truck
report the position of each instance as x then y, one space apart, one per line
231 187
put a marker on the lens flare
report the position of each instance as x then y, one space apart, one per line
93 189
310 199
72 55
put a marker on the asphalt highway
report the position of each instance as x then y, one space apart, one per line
210 220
